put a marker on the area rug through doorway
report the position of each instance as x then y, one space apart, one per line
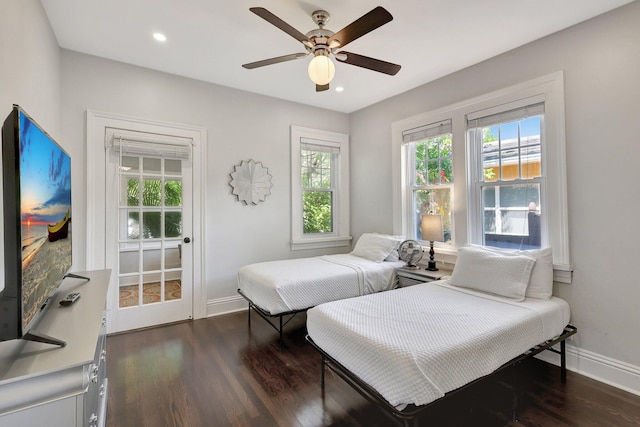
150 293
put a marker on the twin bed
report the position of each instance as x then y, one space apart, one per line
280 289
277 290
409 347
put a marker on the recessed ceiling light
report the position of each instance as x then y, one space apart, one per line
160 37
339 89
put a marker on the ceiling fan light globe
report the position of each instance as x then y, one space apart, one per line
321 70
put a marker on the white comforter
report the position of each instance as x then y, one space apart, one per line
297 284
415 344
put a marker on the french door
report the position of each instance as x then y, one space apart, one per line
149 229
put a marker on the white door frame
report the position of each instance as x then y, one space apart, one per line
97 123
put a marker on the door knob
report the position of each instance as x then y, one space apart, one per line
187 240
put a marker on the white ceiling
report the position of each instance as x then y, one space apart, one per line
209 40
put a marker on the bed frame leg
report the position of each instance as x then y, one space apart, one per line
322 369
249 315
280 332
563 361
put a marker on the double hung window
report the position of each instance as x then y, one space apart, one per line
429 175
507 152
318 175
507 189
319 188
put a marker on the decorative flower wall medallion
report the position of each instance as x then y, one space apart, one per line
251 182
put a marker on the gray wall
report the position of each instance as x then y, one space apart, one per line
240 126
29 70
29 64
601 61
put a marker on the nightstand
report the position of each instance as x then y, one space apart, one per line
410 276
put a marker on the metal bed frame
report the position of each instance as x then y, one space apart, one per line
267 316
409 415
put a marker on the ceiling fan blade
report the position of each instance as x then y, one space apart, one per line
273 19
275 60
369 63
361 26
322 88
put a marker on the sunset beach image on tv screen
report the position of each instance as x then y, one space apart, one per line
45 204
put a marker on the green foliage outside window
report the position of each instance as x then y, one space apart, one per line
434 167
434 161
152 197
317 206
317 212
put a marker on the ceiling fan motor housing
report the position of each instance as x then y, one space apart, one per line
320 17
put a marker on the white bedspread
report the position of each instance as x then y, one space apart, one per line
415 344
297 284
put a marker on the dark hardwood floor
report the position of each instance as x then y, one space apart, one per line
215 372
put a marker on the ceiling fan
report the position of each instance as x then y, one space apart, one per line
323 44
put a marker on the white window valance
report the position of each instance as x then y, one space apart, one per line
517 110
150 145
427 131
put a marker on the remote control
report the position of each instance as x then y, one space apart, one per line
70 299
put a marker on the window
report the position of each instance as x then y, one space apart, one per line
320 192
429 175
318 162
506 150
507 188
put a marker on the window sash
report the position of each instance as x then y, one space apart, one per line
411 138
476 166
337 144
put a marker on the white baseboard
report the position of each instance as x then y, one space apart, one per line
601 368
218 306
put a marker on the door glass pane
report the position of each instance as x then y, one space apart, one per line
133 225
173 193
173 256
128 292
151 195
130 164
151 225
128 258
173 167
151 259
152 288
130 197
173 224
173 286
151 165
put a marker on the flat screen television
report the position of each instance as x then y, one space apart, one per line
36 197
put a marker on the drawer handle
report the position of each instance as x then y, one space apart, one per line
94 375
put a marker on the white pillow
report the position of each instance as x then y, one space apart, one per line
488 271
394 256
375 247
541 281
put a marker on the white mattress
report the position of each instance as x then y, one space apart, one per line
297 284
415 344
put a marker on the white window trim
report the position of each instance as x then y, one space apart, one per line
341 233
551 87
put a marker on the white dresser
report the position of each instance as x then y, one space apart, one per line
47 385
